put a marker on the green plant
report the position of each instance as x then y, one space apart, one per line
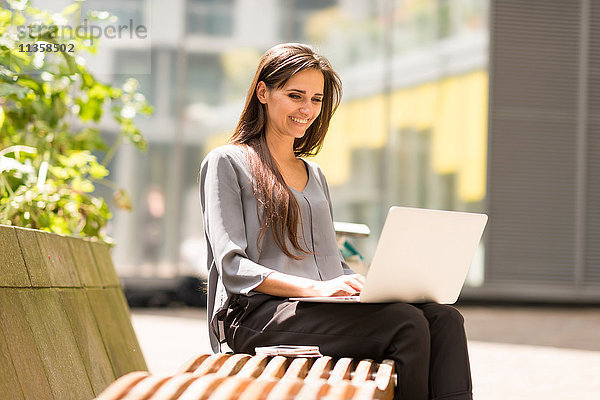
50 110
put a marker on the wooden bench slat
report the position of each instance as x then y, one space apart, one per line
145 388
285 389
385 378
343 390
202 387
174 387
231 388
313 390
192 363
258 389
363 371
122 386
254 367
297 369
320 369
366 391
233 365
211 364
275 368
341 371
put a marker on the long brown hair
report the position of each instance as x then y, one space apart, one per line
276 67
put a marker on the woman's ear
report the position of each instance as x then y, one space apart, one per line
261 92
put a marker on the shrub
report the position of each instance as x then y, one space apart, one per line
50 110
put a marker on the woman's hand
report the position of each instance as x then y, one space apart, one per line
284 285
345 285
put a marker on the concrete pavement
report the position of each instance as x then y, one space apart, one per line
516 353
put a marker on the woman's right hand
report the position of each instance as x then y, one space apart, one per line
344 285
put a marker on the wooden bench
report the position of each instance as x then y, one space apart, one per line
245 377
66 331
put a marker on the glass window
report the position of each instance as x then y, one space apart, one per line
210 17
293 25
205 77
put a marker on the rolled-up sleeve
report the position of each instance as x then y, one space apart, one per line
223 217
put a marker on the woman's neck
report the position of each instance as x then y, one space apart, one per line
281 148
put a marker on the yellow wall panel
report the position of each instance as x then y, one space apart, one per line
426 105
472 168
445 144
334 157
369 124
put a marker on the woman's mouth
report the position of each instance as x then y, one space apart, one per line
299 120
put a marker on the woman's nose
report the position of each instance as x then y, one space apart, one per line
305 108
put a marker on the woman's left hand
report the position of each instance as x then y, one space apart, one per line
284 285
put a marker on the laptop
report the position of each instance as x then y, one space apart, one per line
422 256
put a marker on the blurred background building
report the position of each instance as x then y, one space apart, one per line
420 79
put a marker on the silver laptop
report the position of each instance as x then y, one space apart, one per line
422 256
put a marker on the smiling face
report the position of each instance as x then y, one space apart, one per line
292 108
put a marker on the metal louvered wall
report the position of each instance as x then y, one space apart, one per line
543 235
592 259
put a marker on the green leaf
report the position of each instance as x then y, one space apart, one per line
71 64
98 171
7 89
82 185
5 16
91 139
90 110
98 91
88 80
29 83
146 109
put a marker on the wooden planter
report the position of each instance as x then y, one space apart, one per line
65 327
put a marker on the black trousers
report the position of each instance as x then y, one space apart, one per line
426 341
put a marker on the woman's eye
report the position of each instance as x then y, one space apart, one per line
294 96
317 100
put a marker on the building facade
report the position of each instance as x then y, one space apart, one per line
412 130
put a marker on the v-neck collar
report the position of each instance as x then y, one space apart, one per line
307 181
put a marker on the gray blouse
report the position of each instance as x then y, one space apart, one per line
236 264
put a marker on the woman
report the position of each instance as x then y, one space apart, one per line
268 221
